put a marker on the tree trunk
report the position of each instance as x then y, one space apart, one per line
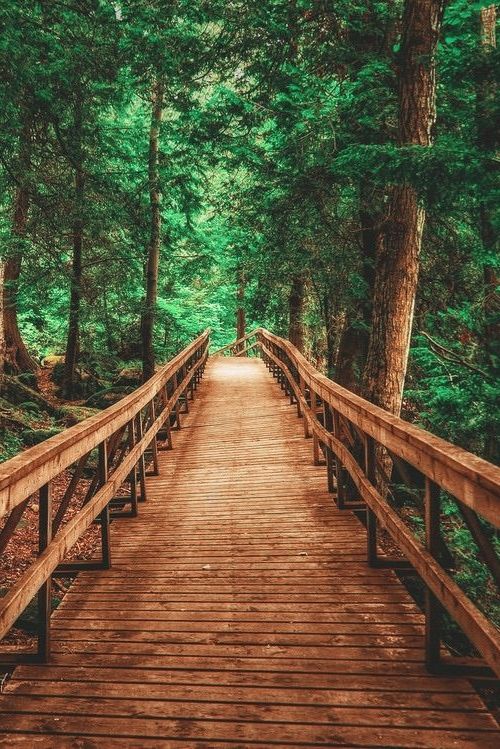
400 237
296 302
353 344
330 335
17 359
2 328
240 310
487 137
73 339
153 256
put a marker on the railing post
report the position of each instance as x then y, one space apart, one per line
154 442
314 408
303 413
45 592
328 424
104 515
141 462
371 518
432 542
133 473
166 432
339 466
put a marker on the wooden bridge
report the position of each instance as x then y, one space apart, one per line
239 601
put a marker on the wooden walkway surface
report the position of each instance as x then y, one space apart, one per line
239 610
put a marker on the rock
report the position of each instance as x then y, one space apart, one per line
129 376
52 360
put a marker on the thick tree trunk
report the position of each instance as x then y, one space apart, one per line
399 241
487 137
353 345
330 335
153 256
2 329
296 302
73 339
17 359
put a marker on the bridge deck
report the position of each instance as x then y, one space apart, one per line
239 610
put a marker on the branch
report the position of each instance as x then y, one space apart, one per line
450 355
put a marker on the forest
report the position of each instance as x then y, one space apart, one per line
327 170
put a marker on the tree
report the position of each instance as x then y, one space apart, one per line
400 234
153 254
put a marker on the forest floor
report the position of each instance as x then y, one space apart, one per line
22 548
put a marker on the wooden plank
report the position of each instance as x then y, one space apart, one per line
285 639
482 633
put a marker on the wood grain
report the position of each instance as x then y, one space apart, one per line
240 610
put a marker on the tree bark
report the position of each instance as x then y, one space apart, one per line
2 328
353 344
73 339
17 358
296 302
400 237
153 255
487 136
330 334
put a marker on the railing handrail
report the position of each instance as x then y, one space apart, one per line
397 435
233 344
34 470
25 473
474 482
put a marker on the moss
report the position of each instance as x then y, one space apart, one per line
71 415
16 393
108 397
10 444
32 437
28 379
30 406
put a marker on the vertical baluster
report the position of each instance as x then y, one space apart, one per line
104 515
305 414
371 518
314 408
177 407
168 429
340 472
185 391
133 474
45 592
154 441
328 424
432 542
141 462
302 388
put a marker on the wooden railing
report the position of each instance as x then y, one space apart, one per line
103 455
239 347
369 454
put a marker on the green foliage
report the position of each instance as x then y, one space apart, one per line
32 437
10 444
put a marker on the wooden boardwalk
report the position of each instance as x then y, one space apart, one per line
239 610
